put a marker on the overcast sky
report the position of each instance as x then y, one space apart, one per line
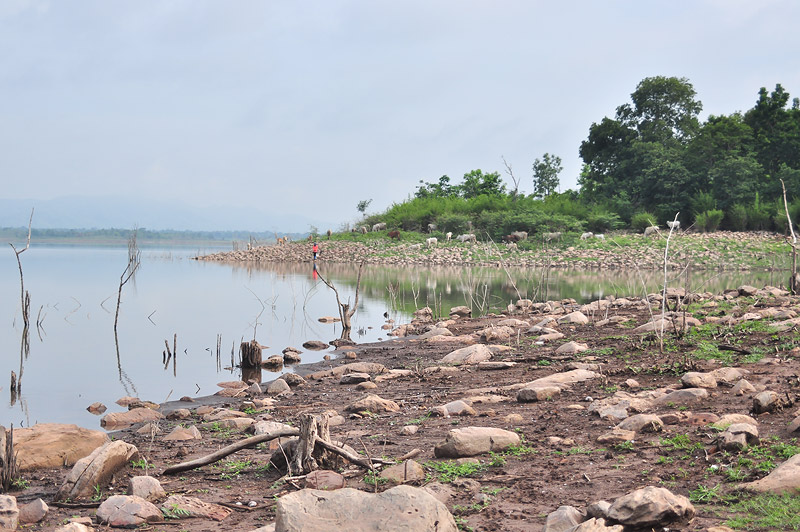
308 107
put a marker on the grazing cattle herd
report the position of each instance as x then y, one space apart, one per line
511 240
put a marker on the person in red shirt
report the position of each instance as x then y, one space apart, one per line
315 250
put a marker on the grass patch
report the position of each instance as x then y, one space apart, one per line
449 470
765 512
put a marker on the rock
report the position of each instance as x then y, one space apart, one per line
180 506
472 354
74 527
324 479
148 488
409 430
96 408
642 423
9 513
53 445
274 362
490 365
694 379
563 519
366 385
183 434
277 387
408 471
293 379
784 479
354 378
729 419
577 318
499 333
424 314
127 400
550 337
684 397
651 506
631 384
794 425
127 511
150 429
291 357
743 387
598 509
97 469
738 436
374 404
33 512
747 290
442 492
472 441
596 525
564 379
436 331
399 508
728 376
460 312
766 401
119 420
328 319
701 419
616 436
454 408
537 393
179 413
315 345
571 348
234 385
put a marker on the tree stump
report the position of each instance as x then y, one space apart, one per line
307 456
251 354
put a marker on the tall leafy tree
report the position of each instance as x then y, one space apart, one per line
776 130
545 175
476 183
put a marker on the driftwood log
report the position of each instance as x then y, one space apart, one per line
314 449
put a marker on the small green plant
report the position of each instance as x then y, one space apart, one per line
703 494
140 464
98 493
449 470
175 512
372 479
420 420
623 446
20 484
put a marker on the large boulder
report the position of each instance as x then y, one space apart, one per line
9 512
374 404
51 445
472 441
783 479
651 507
128 511
403 508
97 469
472 354
120 420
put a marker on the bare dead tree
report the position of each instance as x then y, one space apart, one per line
510 172
25 302
794 281
134 260
345 310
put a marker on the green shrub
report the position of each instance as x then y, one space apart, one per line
759 215
736 218
709 221
702 202
642 220
600 222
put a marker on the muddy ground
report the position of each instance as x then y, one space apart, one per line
514 491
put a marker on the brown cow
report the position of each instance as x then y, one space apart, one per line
511 238
394 234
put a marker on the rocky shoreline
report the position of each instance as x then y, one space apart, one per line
702 251
553 416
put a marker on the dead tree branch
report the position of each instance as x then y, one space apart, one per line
134 260
510 172
793 282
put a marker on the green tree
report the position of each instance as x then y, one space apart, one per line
545 175
441 189
362 205
776 130
476 183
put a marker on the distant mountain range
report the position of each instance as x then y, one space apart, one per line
82 212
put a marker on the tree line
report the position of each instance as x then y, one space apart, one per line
655 158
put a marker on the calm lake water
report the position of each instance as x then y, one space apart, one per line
74 361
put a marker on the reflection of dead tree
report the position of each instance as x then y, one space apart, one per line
345 310
25 301
134 260
794 281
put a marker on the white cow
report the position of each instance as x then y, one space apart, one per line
449 235
431 242
587 236
600 236
466 238
650 230
674 225
512 246
552 236
378 227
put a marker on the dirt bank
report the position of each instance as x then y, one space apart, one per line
561 460
706 251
